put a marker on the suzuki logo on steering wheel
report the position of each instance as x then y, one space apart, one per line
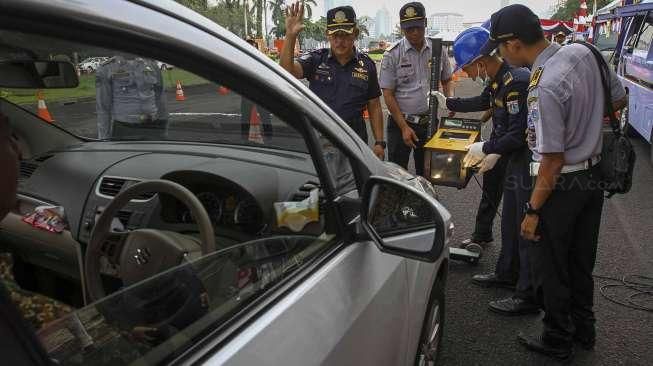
142 256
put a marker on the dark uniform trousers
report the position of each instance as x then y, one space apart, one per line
147 130
399 152
563 260
514 249
490 200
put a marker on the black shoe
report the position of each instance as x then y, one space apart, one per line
481 243
586 342
535 343
514 306
491 280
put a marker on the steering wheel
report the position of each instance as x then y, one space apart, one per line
142 253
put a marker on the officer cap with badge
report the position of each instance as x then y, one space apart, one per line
412 15
341 19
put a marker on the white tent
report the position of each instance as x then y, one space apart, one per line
446 36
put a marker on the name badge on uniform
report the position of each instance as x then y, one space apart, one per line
360 75
512 102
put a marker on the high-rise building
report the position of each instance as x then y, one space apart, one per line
330 4
445 22
383 24
371 27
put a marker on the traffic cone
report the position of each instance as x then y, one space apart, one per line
180 92
255 126
42 109
366 113
223 90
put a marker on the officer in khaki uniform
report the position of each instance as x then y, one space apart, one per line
130 99
563 215
405 80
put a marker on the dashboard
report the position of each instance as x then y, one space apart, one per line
238 185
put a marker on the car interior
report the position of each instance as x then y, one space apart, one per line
148 238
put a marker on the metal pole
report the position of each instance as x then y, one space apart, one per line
245 16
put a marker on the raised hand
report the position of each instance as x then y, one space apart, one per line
295 18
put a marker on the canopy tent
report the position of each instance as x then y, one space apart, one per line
447 37
552 27
607 12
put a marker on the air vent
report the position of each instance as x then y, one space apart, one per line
123 217
111 186
43 158
27 169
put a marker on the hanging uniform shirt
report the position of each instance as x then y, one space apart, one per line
407 71
128 91
565 105
345 88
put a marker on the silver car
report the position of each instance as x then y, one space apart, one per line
229 218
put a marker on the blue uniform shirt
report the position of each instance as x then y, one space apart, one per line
345 88
507 96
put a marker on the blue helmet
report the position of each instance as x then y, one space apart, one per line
467 46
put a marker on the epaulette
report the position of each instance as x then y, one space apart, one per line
535 77
507 78
392 47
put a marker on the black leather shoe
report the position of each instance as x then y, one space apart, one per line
514 306
535 343
491 280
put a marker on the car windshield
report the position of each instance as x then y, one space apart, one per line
126 97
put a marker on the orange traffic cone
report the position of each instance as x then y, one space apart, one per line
255 126
366 113
180 92
223 90
42 109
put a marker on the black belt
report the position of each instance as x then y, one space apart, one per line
417 119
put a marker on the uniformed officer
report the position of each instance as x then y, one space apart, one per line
342 77
130 98
405 80
504 160
563 216
561 38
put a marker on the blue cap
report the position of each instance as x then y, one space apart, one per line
467 46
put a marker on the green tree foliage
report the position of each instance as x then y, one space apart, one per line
570 7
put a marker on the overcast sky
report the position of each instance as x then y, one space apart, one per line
472 10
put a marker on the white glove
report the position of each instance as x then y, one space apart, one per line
474 155
442 100
489 162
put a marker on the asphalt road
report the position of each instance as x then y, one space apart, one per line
473 335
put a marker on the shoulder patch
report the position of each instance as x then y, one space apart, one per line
514 95
535 77
507 78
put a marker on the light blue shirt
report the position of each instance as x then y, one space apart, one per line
566 105
407 71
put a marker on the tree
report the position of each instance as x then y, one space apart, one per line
570 7
278 17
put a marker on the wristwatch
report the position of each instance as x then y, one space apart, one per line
529 210
381 143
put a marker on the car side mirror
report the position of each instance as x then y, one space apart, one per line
32 74
402 220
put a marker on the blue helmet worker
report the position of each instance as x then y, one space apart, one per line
503 160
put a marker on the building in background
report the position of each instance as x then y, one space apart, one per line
371 27
330 4
445 22
383 23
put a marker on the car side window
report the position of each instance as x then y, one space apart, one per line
643 47
250 169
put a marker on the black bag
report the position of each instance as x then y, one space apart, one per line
618 156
